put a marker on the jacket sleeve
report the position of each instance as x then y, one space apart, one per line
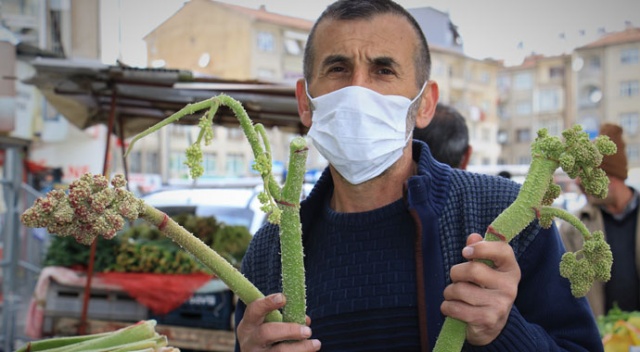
546 317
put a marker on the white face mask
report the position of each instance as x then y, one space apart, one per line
359 131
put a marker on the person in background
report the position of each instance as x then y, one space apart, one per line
391 236
617 216
506 174
447 136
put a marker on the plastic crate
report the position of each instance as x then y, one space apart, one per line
66 301
206 310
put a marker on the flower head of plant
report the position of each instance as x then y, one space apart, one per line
90 208
592 262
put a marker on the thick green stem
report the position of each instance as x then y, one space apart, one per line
505 227
239 284
293 278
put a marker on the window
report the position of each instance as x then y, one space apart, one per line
153 163
554 127
177 168
556 72
524 135
266 42
629 56
523 81
633 153
523 108
629 122
209 164
594 62
135 162
292 46
629 88
503 137
235 164
549 100
504 83
235 133
524 160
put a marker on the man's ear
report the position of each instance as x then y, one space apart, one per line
466 157
429 98
303 103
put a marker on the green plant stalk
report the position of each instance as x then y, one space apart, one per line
287 199
47 344
236 282
133 333
293 277
505 227
579 157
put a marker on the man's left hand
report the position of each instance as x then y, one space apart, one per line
482 295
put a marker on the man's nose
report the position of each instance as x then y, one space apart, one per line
361 77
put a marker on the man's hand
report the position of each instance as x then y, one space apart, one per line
481 295
256 335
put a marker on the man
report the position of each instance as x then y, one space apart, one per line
617 216
386 228
447 136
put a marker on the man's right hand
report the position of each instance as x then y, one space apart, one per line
256 335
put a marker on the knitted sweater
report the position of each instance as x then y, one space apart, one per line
448 205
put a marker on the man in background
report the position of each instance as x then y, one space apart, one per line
617 216
447 136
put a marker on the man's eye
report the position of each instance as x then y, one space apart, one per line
336 69
385 71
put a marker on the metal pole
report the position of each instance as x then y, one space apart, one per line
12 173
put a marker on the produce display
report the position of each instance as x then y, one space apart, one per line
92 209
619 330
143 249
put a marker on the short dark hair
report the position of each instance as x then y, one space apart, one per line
346 10
447 135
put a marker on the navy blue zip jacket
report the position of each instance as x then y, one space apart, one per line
447 205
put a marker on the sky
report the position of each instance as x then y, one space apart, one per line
500 29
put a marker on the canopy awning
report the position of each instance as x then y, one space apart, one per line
87 92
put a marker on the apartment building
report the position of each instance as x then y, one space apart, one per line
470 86
607 86
536 94
234 43
467 84
230 42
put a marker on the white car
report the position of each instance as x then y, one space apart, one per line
232 206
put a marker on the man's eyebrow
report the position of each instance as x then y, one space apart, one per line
384 61
333 59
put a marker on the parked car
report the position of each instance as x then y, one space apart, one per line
233 206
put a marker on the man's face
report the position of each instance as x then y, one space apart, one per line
378 54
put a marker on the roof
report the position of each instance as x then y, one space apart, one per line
263 15
87 93
256 14
629 35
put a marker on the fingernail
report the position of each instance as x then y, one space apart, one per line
467 251
277 298
316 343
305 331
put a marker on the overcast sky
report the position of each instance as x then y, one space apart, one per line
489 28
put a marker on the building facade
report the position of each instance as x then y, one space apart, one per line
531 96
607 86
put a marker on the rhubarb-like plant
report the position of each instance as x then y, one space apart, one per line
92 208
578 157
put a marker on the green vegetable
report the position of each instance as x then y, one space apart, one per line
578 157
140 336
